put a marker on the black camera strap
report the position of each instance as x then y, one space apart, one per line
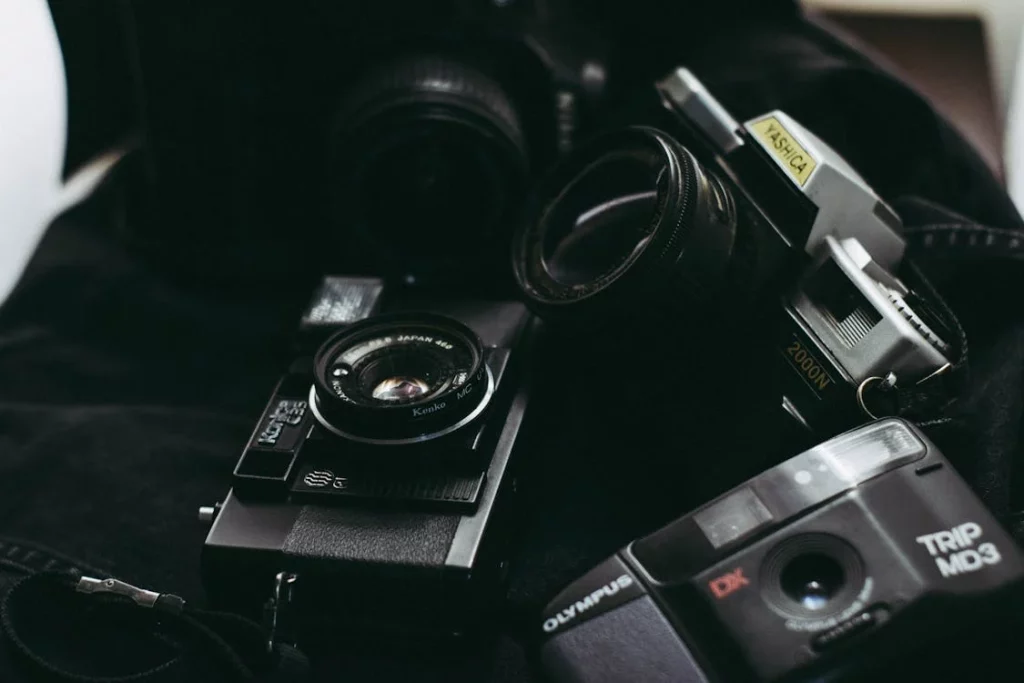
963 241
933 231
193 641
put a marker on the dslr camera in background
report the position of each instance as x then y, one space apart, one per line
390 138
866 557
697 217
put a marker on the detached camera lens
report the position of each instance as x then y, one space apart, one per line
400 378
632 216
427 159
812 580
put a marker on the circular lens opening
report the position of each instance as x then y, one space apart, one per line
602 219
400 377
812 580
812 576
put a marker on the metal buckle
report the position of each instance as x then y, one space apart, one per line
140 596
277 611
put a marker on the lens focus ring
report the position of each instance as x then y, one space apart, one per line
400 378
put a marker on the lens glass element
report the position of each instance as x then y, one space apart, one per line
400 366
400 389
812 580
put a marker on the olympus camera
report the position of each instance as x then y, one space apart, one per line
703 217
867 554
376 488
369 127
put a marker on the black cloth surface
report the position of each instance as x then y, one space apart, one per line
127 389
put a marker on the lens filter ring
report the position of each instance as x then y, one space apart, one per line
630 217
399 379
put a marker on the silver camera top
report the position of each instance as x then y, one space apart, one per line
859 313
846 204
686 95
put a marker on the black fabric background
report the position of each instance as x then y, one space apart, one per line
127 389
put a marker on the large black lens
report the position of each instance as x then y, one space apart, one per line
630 216
427 160
400 378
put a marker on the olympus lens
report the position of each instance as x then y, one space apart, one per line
631 215
427 158
812 576
400 378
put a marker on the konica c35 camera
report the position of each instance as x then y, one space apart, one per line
697 219
865 555
376 490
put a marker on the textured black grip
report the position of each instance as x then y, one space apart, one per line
356 535
631 644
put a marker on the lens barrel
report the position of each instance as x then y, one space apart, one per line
427 159
400 378
630 220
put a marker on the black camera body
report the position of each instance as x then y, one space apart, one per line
385 508
848 559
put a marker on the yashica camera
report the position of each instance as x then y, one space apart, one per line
859 557
706 219
376 490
